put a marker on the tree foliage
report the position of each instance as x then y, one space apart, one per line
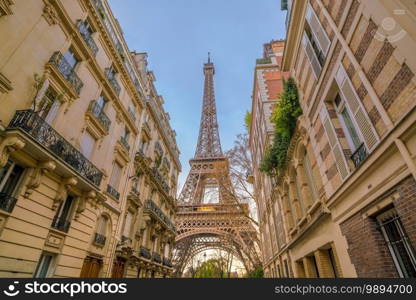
284 117
247 120
256 273
212 268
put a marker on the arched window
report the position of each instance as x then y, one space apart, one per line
101 233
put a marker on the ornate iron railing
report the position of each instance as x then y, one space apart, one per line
144 252
359 155
7 202
152 207
86 35
158 148
46 136
113 81
125 239
113 192
125 143
132 114
98 113
156 257
61 224
59 61
99 239
263 61
166 163
160 179
167 262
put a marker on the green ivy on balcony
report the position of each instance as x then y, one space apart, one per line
284 118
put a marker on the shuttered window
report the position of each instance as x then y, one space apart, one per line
318 32
359 116
87 144
115 175
334 143
311 54
127 224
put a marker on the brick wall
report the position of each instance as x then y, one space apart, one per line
366 246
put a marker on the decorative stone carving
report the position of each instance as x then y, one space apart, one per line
63 191
35 179
82 202
7 146
5 7
50 13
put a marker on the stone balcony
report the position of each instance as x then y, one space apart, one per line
66 70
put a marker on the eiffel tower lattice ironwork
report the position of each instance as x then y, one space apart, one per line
209 214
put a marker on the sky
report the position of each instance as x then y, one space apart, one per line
178 34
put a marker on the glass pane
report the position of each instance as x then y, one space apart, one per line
100 103
70 58
44 267
3 173
351 129
66 209
10 184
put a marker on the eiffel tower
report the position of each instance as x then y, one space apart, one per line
209 214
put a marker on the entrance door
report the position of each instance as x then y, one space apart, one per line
91 267
118 268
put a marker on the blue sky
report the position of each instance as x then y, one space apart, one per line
177 35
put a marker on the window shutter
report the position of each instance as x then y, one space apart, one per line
115 176
364 124
310 53
87 144
317 29
334 143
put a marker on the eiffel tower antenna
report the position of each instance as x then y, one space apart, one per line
209 57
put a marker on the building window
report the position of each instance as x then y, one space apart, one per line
63 216
287 274
101 233
71 59
309 177
48 106
127 224
87 144
115 175
45 265
10 177
344 115
315 266
333 262
101 103
398 243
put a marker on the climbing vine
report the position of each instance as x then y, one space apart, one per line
284 117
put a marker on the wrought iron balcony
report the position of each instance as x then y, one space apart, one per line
7 202
156 257
152 207
144 252
99 239
113 81
61 224
96 110
167 262
359 155
263 61
160 179
86 35
113 192
59 61
158 148
39 130
125 143
125 240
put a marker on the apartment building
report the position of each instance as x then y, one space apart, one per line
77 111
348 193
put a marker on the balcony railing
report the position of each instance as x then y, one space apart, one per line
156 257
263 61
359 155
39 130
160 179
86 35
7 202
99 239
125 143
152 207
132 114
113 192
113 81
61 224
98 113
144 252
167 262
67 71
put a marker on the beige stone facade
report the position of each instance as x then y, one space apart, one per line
347 196
88 160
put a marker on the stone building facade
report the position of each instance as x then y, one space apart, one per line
268 84
88 160
348 194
